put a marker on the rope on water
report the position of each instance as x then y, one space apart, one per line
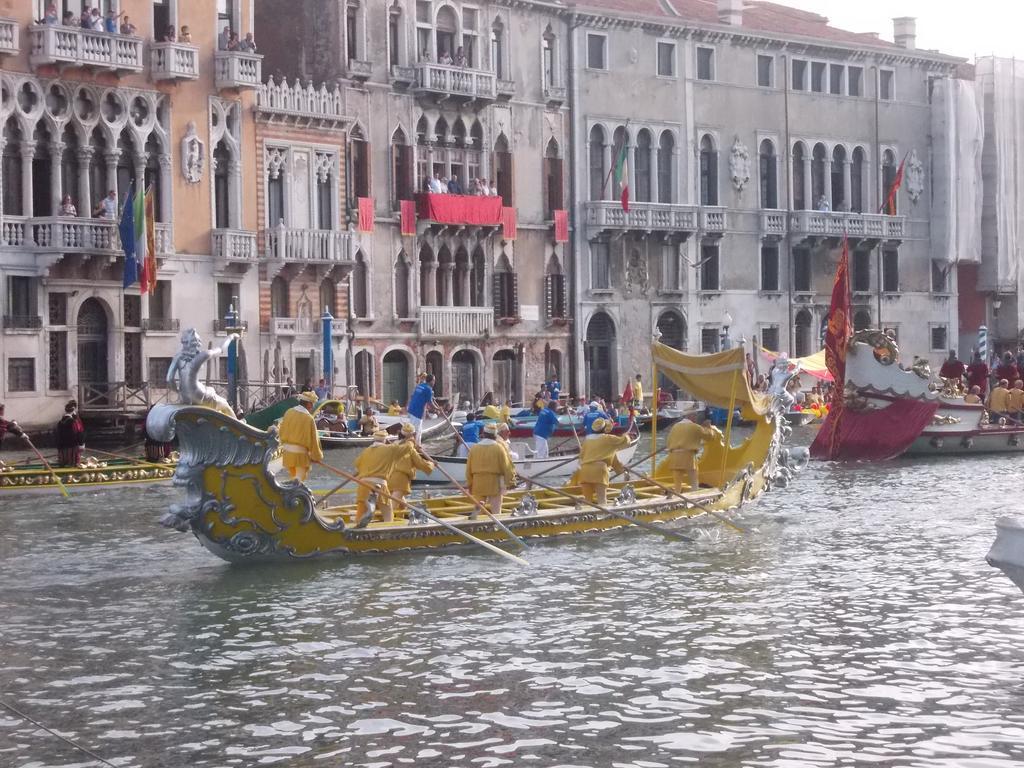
52 732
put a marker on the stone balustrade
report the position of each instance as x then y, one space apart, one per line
834 224
455 322
293 101
236 70
74 46
238 245
316 245
642 217
456 82
10 42
173 61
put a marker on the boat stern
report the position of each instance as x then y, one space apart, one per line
1007 553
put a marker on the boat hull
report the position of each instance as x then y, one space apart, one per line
432 430
82 479
1007 553
968 442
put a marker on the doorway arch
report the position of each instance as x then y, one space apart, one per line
93 343
505 386
396 377
598 350
802 334
465 377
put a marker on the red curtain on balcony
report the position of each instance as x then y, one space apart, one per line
471 210
366 214
508 223
408 218
561 226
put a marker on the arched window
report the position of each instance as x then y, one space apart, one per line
69 170
359 158
549 58
598 351
475 151
769 175
126 164
839 201
153 175
443 277
498 49
819 163
556 290
12 168
402 170
552 179
402 308
597 169
42 193
861 320
427 267
503 169
328 297
666 179
395 57
446 28
360 288
857 181
221 186
802 332
460 279
642 161
477 279
708 172
279 304
799 187
505 293
888 180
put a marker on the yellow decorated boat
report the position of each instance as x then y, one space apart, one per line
239 511
91 475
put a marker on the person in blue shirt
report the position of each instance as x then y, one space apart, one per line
543 429
471 431
593 414
421 398
555 389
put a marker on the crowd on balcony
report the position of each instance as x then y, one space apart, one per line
91 19
445 186
170 37
458 60
228 41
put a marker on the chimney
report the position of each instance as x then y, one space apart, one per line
730 12
904 32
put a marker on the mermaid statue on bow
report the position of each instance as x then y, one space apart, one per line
185 368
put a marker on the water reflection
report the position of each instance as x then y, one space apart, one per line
857 624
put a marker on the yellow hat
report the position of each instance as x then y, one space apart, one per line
306 397
491 412
380 436
408 430
490 429
601 425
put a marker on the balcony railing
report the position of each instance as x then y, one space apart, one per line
161 325
554 95
773 223
234 70
220 325
319 245
291 102
712 222
73 46
9 40
456 322
403 75
234 245
164 238
296 326
646 217
505 89
22 322
835 224
447 80
116 396
69 234
360 70
173 61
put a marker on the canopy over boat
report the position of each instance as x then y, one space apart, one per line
813 365
718 379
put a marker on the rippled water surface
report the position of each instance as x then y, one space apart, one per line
856 624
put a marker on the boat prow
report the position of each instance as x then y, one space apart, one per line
1007 553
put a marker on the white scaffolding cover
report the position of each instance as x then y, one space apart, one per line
958 133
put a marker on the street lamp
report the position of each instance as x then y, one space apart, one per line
726 322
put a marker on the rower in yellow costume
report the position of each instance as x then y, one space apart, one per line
489 470
684 442
598 454
300 443
373 467
401 477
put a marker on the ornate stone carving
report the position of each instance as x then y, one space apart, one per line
192 155
275 159
915 177
739 165
636 274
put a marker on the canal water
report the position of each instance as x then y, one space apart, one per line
857 623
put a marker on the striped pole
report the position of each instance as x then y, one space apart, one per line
983 342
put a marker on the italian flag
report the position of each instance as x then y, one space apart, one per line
622 175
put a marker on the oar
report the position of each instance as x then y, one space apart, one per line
467 536
613 513
478 504
638 462
48 467
139 462
326 496
716 515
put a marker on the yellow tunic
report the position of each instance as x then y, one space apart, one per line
684 441
971 399
377 464
638 391
394 410
299 438
489 469
597 454
400 479
506 414
997 400
1014 400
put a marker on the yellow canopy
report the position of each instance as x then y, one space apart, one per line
813 365
712 378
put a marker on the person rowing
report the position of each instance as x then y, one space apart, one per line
373 466
684 442
300 442
401 477
489 471
598 454
543 429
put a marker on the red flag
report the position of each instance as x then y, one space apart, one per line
366 214
561 226
837 335
627 393
508 223
408 218
890 200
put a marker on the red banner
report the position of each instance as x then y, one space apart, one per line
508 223
470 210
408 218
827 444
561 226
366 214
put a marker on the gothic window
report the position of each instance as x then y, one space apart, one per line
506 290
839 202
556 296
553 179
279 304
402 303
477 273
799 190
498 49
666 159
819 162
503 169
642 165
11 162
152 175
402 168
359 155
221 186
360 287
42 198
549 58
708 172
768 176
597 168
857 181
888 179
445 29
328 296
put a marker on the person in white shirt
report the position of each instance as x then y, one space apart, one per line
67 208
435 186
107 209
494 190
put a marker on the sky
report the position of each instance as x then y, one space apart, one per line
975 28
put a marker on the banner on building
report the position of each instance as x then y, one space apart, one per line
561 226
366 214
508 223
408 218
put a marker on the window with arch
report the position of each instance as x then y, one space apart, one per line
666 160
768 175
360 288
861 320
42 197
553 183
353 30
222 186
475 152
403 307
427 267
506 290
891 201
839 201
328 295
857 181
446 29
461 279
11 165
498 52
279 303
708 171
69 170
672 327
153 177
799 186
597 166
819 164
359 161
466 54
549 58
642 166
556 293
502 165
477 278
395 36
402 167
443 277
